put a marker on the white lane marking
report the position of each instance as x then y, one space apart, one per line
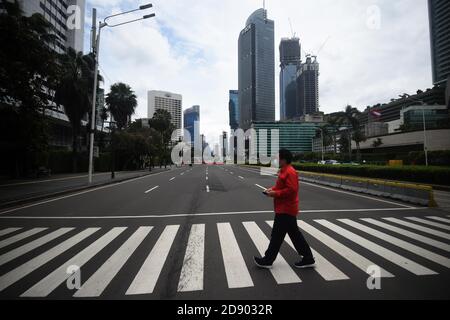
13 254
198 214
182 174
98 282
4 232
430 223
46 286
147 277
154 188
353 257
241 177
387 254
261 187
231 172
409 234
324 267
20 236
421 252
81 193
15 275
439 219
344 192
191 277
236 270
207 188
419 228
172 179
207 178
282 271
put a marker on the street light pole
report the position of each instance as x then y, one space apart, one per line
322 142
97 57
425 142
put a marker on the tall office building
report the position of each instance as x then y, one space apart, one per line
308 86
233 109
56 12
171 102
290 59
192 123
439 13
256 64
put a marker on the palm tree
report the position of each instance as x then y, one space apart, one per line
121 102
74 92
334 123
350 117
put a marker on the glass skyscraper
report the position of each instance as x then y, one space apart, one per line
290 59
439 12
308 86
233 107
256 64
191 119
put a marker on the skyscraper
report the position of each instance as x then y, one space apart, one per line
57 13
256 64
171 102
290 59
308 86
192 123
439 13
233 108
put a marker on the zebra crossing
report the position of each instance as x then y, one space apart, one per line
419 246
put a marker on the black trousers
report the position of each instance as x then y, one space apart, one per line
283 224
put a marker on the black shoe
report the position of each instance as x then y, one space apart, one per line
306 263
262 263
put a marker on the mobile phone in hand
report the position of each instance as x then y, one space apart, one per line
265 193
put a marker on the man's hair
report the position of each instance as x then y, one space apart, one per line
286 155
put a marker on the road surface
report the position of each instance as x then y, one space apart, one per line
192 232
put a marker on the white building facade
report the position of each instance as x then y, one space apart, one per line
171 102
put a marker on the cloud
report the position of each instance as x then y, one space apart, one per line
191 48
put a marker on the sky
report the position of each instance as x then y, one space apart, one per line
369 50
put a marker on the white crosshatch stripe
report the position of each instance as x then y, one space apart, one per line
98 282
20 236
11 255
426 254
282 271
430 223
439 219
236 270
324 267
419 228
15 275
409 234
389 255
191 277
46 286
4 232
353 257
148 275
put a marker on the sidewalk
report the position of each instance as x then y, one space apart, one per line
15 192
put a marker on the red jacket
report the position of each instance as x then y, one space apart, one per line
286 192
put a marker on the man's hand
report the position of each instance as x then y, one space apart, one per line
270 193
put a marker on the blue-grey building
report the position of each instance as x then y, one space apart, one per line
308 86
439 14
290 59
233 108
256 64
191 119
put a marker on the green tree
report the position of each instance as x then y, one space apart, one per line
351 119
161 123
28 70
121 102
74 91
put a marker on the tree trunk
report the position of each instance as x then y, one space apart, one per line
74 153
358 152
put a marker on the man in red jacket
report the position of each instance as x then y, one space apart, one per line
285 194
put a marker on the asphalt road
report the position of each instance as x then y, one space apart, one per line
192 232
